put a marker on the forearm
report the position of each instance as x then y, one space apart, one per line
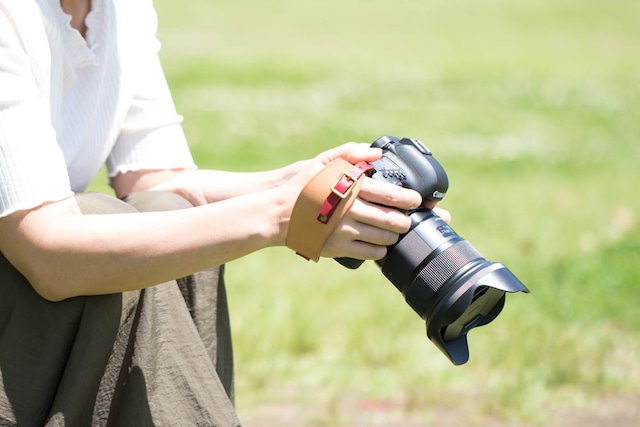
64 253
101 254
205 186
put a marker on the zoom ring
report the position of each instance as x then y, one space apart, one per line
444 265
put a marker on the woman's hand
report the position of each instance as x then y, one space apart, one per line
377 217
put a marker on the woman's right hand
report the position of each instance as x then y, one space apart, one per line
376 218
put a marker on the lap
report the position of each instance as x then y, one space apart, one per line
95 359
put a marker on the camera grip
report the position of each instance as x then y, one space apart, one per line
351 263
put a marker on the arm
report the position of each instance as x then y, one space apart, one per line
203 186
64 253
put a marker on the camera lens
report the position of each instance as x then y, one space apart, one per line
447 282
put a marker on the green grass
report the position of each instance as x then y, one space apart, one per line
533 107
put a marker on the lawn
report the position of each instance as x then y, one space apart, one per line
533 108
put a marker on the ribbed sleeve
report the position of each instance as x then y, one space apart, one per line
32 167
68 105
151 136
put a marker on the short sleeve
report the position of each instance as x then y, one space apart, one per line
32 166
151 136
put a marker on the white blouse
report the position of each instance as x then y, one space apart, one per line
70 104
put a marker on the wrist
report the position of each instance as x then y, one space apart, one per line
281 202
284 174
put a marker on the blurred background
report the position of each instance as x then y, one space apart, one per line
533 108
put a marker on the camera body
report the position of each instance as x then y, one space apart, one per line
408 163
441 275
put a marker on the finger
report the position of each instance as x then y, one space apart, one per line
444 214
378 216
387 194
353 230
352 152
355 249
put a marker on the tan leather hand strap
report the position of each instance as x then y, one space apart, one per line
321 205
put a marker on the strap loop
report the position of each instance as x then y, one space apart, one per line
321 205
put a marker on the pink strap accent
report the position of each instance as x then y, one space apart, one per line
341 190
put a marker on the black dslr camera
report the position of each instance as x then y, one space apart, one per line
441 275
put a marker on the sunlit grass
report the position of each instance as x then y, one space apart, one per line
533 107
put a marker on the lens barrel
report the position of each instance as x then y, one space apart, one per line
441 275
447 282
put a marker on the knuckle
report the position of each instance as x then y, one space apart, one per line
378 252
384 237
397 221
389 239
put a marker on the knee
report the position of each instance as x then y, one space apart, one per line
156 201
98 203
145 201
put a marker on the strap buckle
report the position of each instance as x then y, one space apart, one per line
339 191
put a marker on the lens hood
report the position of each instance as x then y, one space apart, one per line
476 300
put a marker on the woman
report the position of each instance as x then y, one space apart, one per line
114 312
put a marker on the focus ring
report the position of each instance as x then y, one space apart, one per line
444 265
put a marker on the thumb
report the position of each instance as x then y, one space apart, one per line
352 152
